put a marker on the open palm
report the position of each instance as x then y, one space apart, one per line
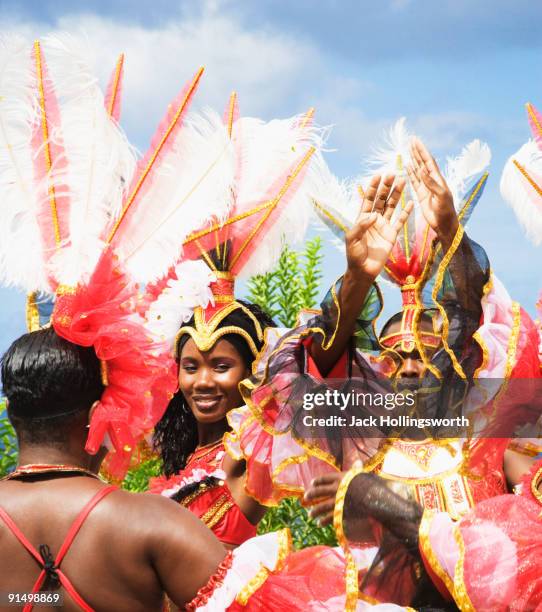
433 193
371 239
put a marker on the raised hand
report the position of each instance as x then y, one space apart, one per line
433 193
371 239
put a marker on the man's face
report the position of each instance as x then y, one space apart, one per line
408 365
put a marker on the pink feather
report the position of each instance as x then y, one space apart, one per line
535 122
149 166
113 94
50 163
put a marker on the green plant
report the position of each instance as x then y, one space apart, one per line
305 532
292 285
8 443
137 479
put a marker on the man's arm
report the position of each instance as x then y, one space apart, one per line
368 245
183 551
437 204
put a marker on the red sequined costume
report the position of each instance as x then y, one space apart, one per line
212 503
486 350
491 560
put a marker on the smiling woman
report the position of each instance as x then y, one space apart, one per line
198 473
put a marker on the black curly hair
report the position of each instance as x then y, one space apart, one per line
176 435
48 382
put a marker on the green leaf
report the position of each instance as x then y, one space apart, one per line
137 479
305 532
8 443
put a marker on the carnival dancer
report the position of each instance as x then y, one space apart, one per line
65 179
61 545
198 473
217 347
458 468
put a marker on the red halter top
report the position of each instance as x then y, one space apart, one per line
49 567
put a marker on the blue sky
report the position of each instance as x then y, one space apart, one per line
457 69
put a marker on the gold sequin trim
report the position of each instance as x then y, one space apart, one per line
478 337
103 373
438 283
461 596
215 513
428 553
535 483
252 586
285 547
32 312
351 577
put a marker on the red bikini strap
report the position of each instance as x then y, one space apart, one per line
73 531
19 535
81 517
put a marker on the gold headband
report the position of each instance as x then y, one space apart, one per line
206 333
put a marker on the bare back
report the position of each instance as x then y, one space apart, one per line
130 549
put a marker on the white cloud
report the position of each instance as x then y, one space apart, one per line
274 73
268 69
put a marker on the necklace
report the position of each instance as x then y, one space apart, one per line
210 445
45 468
203 451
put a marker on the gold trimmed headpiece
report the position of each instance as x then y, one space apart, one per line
270 201
207 331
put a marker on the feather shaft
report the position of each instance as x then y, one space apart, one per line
45 135
156 153
113 95
291 178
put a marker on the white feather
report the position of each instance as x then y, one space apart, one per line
392 156
193 189
463 170
100 159
268 152
519 194
175 305
337 196
21 254
385 157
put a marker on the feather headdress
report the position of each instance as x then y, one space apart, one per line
521 180
276 165
410 262
81 206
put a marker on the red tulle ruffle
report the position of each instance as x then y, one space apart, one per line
140 373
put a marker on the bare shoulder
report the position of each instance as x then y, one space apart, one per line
160 520
182 550
136 510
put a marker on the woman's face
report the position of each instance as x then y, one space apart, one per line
209 381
